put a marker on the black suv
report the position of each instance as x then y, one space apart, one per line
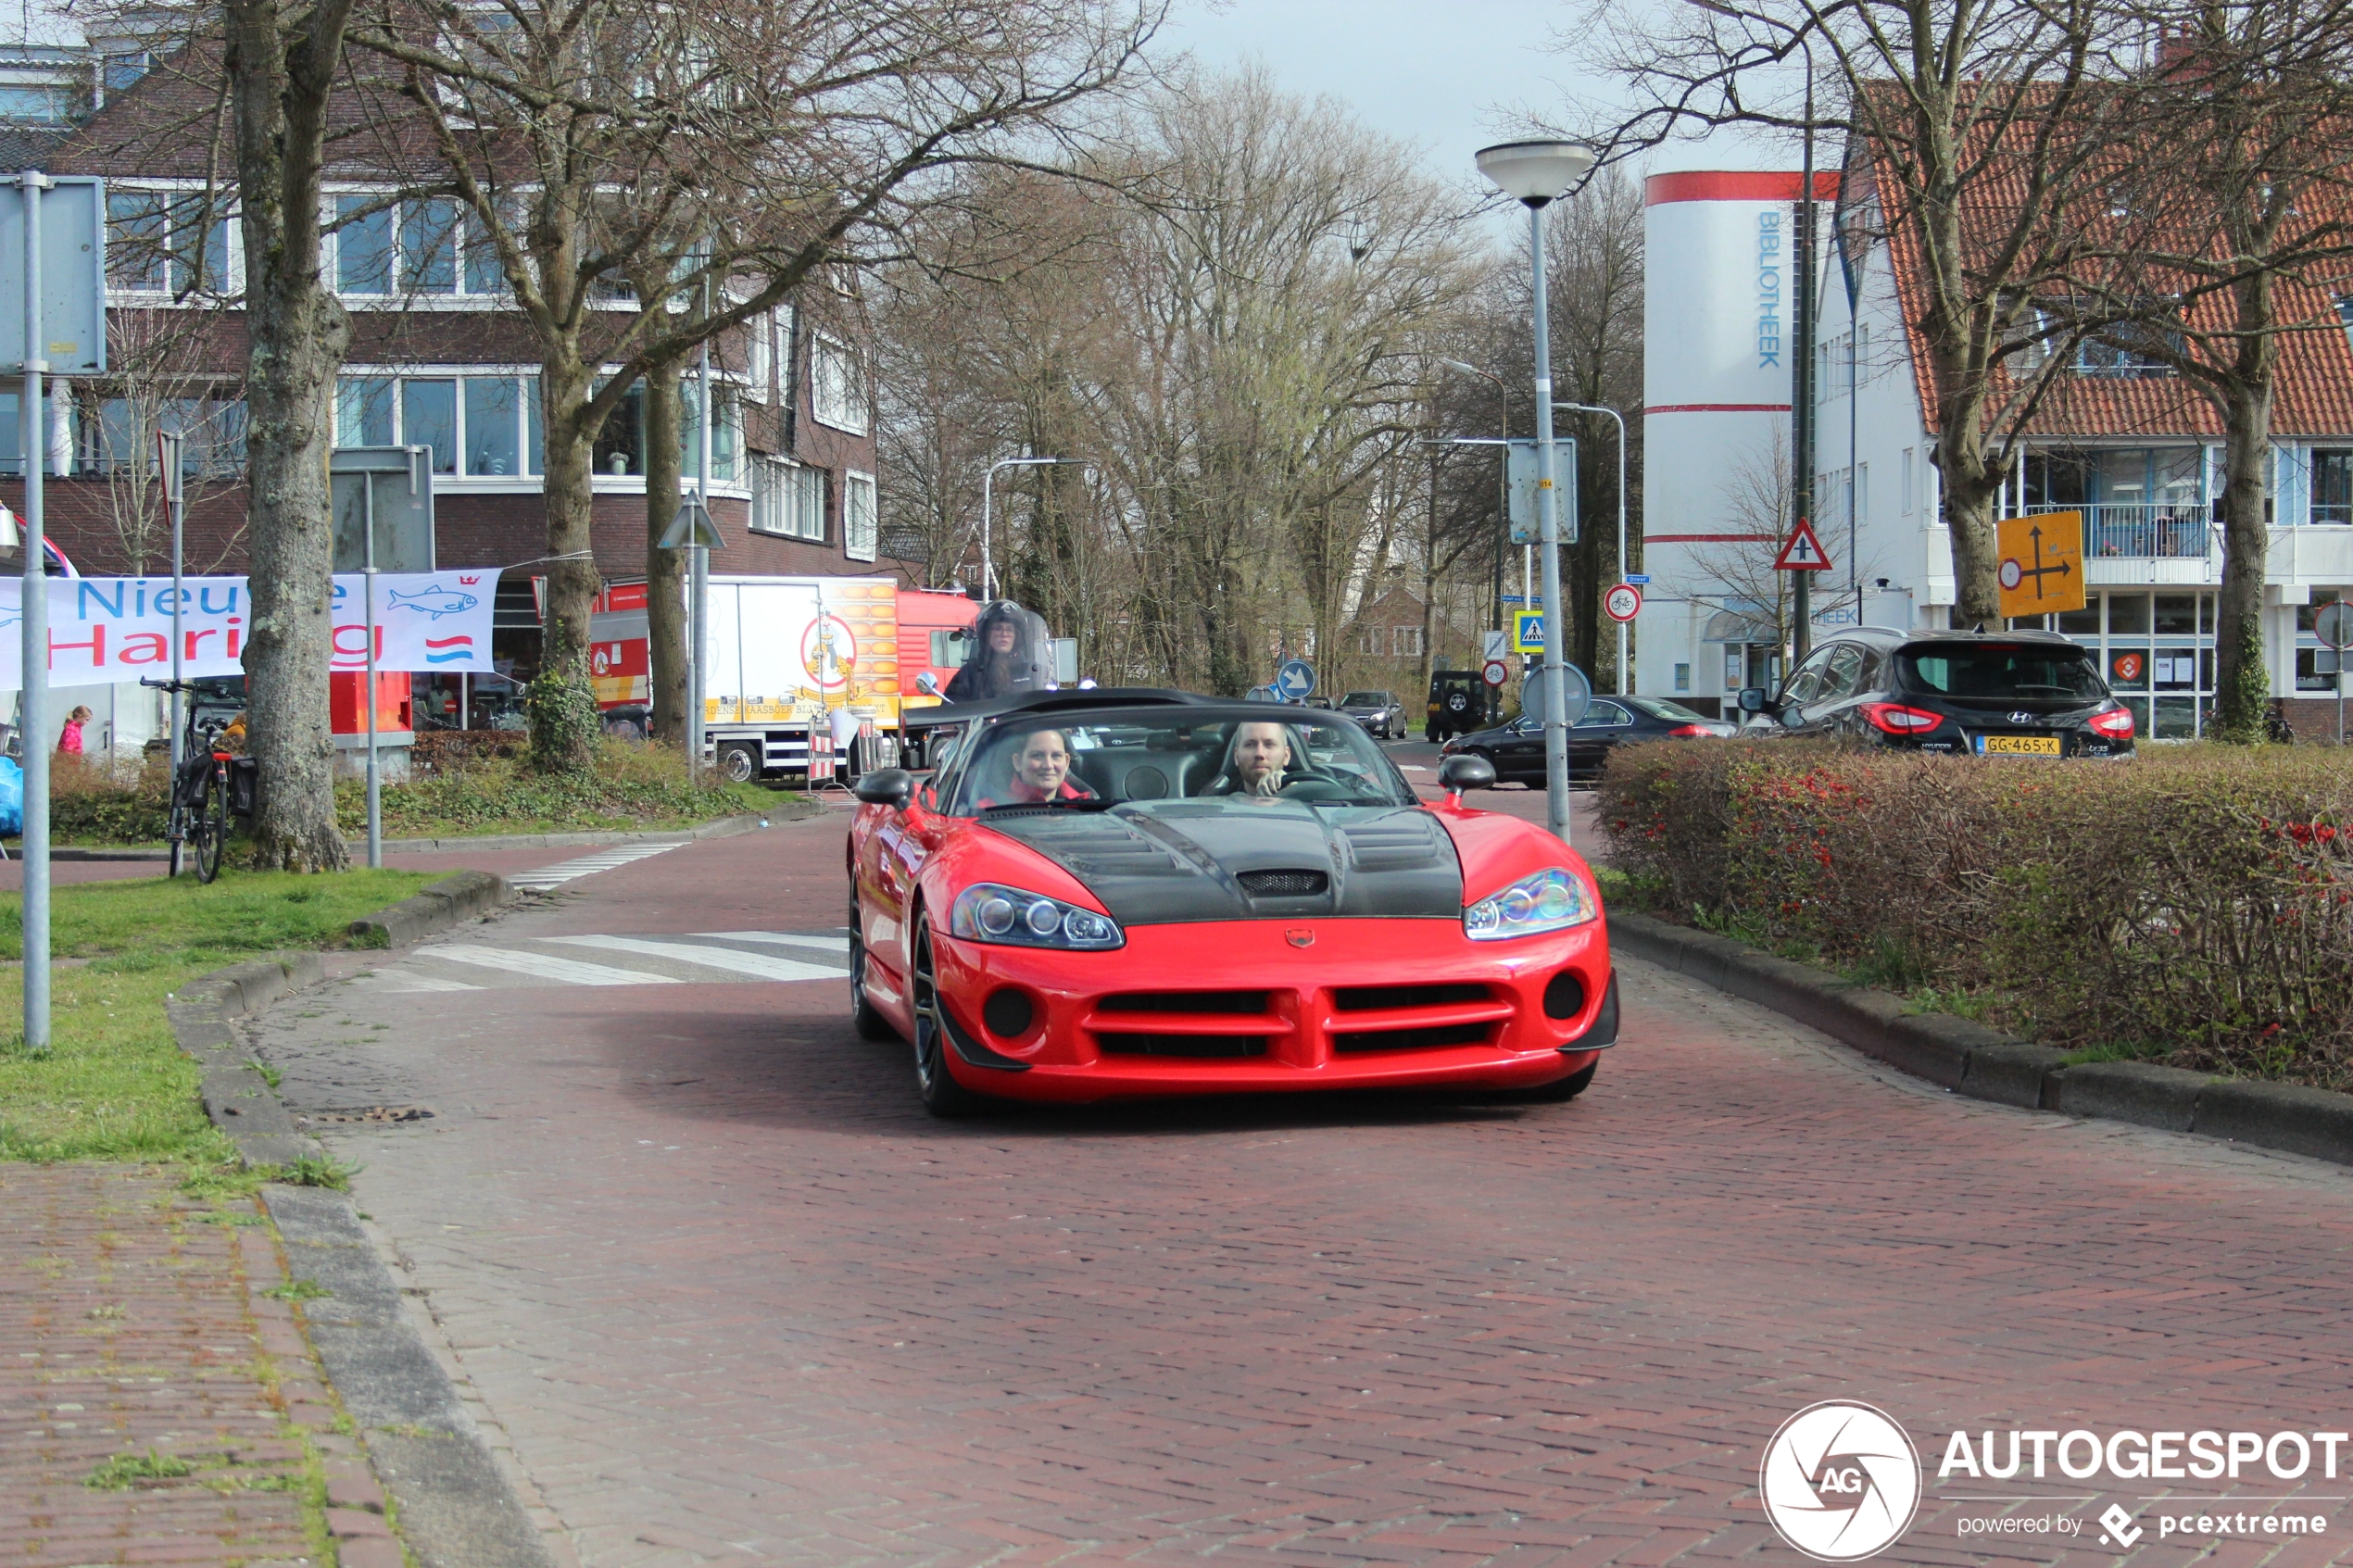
1457 703
1992 693
1378 711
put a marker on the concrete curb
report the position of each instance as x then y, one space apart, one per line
1982 1063
436 907
455 1507
787 810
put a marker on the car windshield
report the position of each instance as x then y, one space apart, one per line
1659 708
1102 761
1366 699
1999 670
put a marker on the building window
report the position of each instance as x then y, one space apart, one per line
788 500
1862 491
413 247
726 435
160 242
621 445
858 540
211 430
490 422
837 393
2345 316
1406 642
2333 485
1370 642
1682 677
2127 350
1910 480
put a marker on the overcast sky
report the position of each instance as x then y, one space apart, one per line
1449 76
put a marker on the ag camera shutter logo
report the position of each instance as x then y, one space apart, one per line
1840 1480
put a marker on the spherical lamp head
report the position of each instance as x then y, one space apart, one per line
1534 172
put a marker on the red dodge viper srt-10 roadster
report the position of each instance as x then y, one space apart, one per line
1113 894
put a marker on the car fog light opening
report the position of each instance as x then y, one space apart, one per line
987 912
1564 996
1008 1013
1550 900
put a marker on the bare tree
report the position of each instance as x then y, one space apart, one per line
1980 141
723 143
160 380
2240 243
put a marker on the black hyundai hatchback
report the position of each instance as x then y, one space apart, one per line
1990 694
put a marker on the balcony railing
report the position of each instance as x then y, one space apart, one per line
2166 531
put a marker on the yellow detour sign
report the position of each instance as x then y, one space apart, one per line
2041 564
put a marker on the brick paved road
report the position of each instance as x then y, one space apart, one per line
130 1326
736 1299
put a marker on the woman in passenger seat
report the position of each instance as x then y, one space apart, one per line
1040 771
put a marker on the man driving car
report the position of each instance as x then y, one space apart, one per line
1261 751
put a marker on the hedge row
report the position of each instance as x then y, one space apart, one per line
2194 906
459 789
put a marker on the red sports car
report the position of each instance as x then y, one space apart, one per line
1115 893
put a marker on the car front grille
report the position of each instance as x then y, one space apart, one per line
1413 1039
1126 1042
1354 1021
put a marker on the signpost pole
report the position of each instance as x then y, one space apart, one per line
168 469
33 715
368 586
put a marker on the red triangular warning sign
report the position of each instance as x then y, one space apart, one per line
1804 552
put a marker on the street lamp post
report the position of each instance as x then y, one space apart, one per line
1623 685
1534 173
1502 479
989 561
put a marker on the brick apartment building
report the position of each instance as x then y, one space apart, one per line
438 357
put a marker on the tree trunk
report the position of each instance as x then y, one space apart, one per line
1970 488
298 334
666 569
2242 684
559 741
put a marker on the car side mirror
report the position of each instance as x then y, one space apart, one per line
1754 700
1792 717
927 683
1462 770
886 786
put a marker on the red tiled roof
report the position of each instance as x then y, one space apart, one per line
2315 381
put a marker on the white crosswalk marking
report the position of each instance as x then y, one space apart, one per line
546 966
557 875
786 938
756 964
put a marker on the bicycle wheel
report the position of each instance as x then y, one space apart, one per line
209 826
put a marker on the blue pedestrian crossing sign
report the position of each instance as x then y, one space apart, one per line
1295 681
1527 631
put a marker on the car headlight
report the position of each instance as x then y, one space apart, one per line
1551 900
989 912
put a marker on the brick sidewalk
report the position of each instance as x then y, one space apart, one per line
132 1322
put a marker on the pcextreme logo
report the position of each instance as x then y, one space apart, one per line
1840 1480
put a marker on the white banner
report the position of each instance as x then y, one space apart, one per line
104 630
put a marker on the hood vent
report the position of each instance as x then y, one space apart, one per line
1285 884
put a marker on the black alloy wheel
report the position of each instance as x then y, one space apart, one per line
864 1015
941 1095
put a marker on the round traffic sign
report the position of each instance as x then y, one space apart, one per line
2011 573
1576 694
1295 681
2334 625
1623 602
1495 673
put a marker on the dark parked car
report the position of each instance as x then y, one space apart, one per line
1517 749
1994 693
1457 702
1378 711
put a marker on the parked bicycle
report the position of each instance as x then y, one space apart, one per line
198 821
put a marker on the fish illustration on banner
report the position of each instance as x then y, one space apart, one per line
118 629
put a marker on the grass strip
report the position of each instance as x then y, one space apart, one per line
115 1084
